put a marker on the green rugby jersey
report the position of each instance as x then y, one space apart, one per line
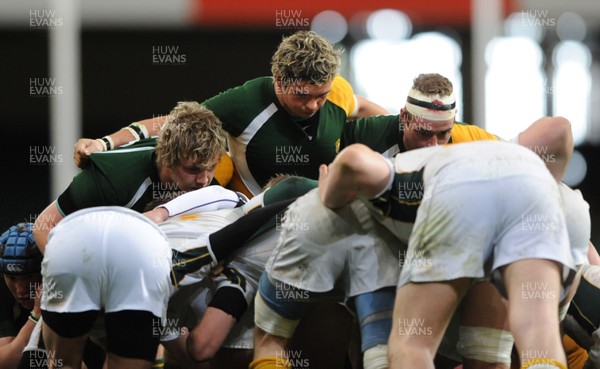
384 134
265 140
126 177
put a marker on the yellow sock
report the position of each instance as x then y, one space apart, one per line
269 362
158 363
543 364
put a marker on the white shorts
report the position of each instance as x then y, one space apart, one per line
106 258
474 221
320 249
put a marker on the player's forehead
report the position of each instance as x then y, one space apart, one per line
309 88
198 163
434 126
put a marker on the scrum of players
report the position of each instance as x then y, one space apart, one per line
288 223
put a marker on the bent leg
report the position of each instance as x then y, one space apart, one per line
422 312
533 287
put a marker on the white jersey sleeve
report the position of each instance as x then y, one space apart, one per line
202 200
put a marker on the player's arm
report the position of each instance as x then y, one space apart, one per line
551 138
44 223
593 256
356 171
207 337
11 347
198 201
367 108
84 147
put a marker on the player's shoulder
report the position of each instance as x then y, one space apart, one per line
464 132
342 95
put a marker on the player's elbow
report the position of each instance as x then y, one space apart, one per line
560 134
351 159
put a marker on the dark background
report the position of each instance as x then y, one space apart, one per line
120 84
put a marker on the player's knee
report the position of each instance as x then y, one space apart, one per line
270 321
489 345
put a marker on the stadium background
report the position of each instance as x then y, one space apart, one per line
217 44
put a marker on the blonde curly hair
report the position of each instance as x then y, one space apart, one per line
191 131
305 56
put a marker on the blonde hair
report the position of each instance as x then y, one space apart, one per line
305 56
433 84
191 131
278 177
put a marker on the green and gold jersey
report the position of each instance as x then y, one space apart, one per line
264 139
384 134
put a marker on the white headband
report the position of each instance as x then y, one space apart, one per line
434 107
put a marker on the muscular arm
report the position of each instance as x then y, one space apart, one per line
207 337
367 108
551 138
11 348
84 147
356 171
44 223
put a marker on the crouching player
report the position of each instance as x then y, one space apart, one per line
456 240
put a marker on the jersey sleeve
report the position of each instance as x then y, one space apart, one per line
85 191
379 133
342 95
462 132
